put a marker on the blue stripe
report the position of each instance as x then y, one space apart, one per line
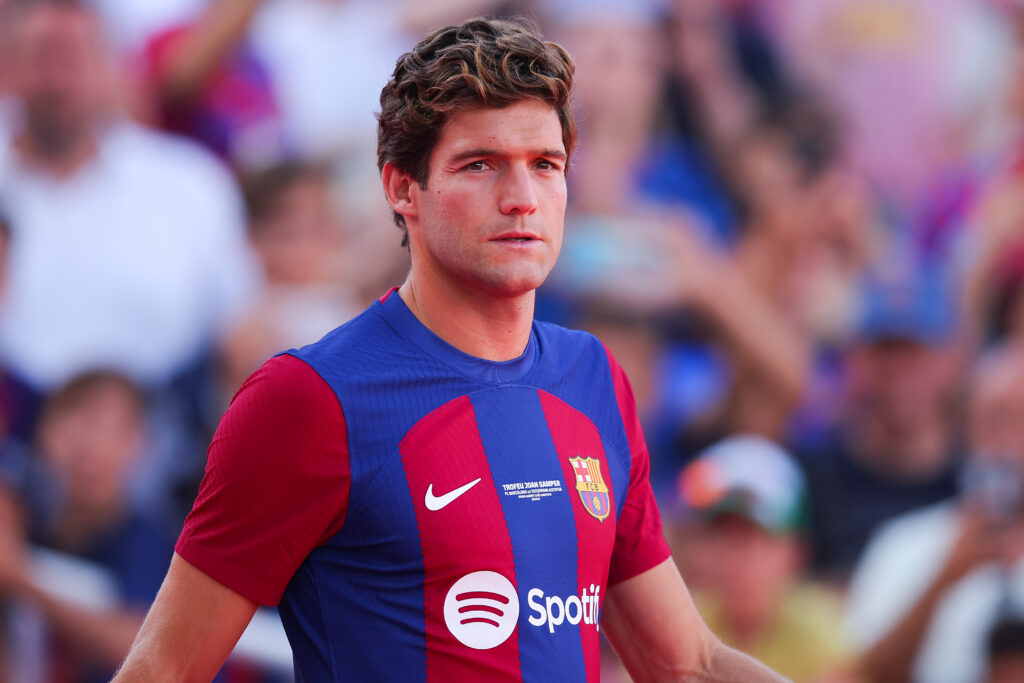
519 449
576 369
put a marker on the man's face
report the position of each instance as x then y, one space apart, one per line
902 381
298 238
90 447
60 71
491 215
996 409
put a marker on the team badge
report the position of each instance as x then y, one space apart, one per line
591 486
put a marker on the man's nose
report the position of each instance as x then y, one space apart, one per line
517 193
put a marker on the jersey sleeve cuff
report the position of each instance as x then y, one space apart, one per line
245 583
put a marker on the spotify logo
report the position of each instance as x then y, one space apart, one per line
481 610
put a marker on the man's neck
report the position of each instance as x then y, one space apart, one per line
911 454
496 329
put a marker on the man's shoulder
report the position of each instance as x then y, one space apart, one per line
920 537
557 339
925 526
284 395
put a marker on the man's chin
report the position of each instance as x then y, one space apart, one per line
517 285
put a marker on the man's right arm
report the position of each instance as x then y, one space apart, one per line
276 487
190 630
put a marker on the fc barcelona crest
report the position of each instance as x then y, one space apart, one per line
591 486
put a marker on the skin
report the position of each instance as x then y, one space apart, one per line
995 429
89 447
62 75
483 234
486 230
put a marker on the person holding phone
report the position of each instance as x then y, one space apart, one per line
934 582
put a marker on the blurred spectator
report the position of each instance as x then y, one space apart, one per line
991 252
127 247
809 225
976 219
934 582
657 268
908 77
710 98
741 551
643 250
5 245
73 499
206 81
895 448
5 74
626 162
810 229
130 23
18 403
294 228
328 60
970 217
1006 652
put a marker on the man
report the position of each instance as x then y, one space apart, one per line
443 489
935 584
895 448
127 247
739 541
70 494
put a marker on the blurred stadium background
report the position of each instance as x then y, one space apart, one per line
799 225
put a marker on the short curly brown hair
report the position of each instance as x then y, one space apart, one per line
483 62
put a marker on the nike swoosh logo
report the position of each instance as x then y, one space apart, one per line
435 503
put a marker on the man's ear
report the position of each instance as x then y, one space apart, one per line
400 189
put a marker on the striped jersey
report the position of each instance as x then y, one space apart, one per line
419 514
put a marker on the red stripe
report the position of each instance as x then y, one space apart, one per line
575 436
642 545
467 535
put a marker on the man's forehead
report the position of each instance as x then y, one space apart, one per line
530 125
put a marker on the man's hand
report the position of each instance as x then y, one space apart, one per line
983 539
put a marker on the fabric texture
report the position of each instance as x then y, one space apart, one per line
422 514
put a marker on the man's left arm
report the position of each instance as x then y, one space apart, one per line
648 614
652 623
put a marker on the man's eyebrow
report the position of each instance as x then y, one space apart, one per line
489 152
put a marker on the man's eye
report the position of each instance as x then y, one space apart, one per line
546 165
476 165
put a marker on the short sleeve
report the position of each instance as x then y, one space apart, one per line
276 483
639 540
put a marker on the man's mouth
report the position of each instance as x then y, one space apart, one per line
515 237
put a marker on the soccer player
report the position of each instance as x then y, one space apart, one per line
443 489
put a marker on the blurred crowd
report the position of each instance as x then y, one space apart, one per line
798 225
